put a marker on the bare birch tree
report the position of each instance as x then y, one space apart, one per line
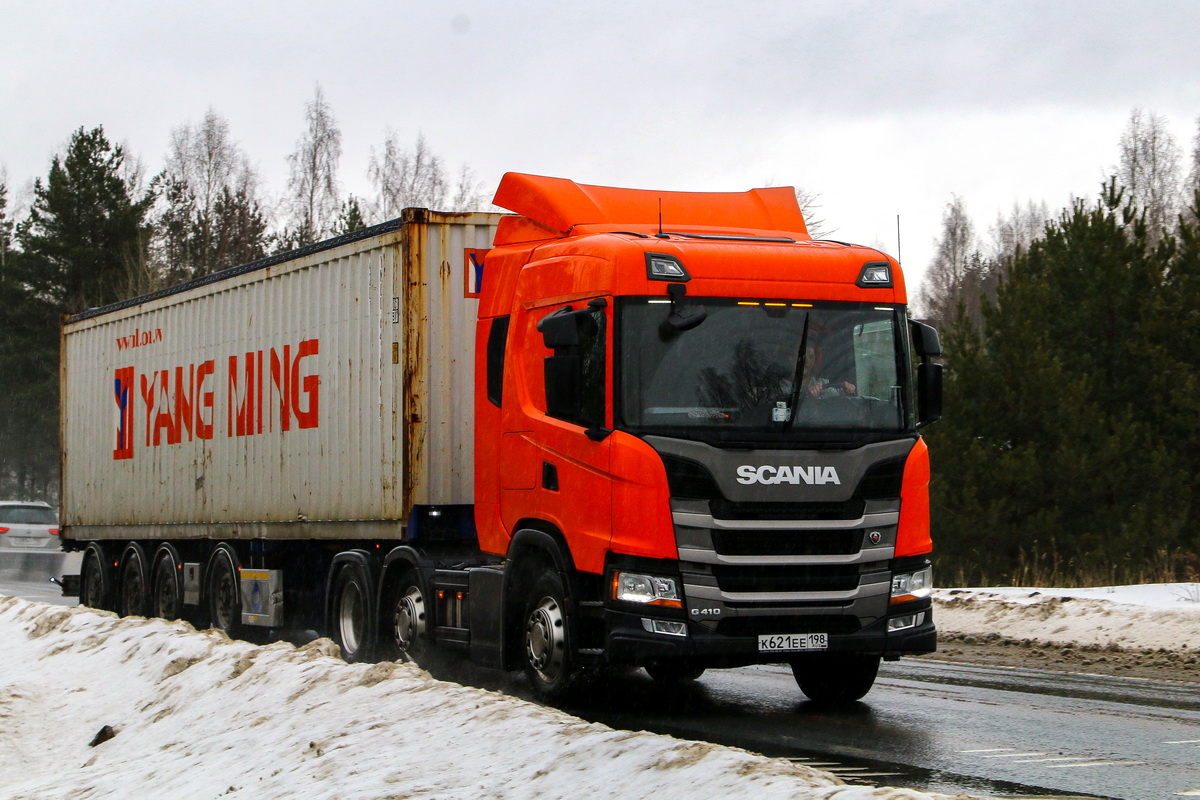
958 269
1191 188
417 178
406 179
312 184
1149 171
212 217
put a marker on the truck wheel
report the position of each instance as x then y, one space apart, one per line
224 597
408 628
93 585
835 678
549 659
673 671
134 591
165 600
350 614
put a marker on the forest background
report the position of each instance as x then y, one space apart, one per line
1070 447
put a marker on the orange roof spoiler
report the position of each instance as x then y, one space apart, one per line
561 204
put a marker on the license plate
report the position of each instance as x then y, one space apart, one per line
27 541
792 642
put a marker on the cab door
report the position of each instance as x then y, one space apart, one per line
555 452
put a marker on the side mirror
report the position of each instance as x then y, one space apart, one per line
560 329
929 392
925 339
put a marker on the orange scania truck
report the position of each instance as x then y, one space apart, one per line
617 427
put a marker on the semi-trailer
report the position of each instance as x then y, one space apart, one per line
616 427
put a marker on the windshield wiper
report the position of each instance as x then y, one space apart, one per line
797 389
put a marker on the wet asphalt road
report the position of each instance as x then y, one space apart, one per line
931 725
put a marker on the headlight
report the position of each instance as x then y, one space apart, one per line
631 587
912 585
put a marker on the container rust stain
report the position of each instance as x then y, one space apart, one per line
414 319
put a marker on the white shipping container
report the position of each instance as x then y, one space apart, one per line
321 394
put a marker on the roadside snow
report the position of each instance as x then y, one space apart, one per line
197 715
1152 617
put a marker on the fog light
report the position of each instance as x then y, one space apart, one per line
665 626
906 622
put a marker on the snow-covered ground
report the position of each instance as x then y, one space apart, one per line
196 715
1152 617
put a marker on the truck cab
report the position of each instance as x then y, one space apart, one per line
697 438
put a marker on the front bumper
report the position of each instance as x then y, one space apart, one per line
628 641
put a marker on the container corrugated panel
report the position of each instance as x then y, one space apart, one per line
332 390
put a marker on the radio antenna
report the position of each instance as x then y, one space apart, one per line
897 238
660 230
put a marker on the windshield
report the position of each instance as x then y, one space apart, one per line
764 370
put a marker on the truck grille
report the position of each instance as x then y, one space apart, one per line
775 578
798 543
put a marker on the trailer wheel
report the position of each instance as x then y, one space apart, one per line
134 589
673 671
835 678
165 598
224 597
93 585
408 619
351 625
549 658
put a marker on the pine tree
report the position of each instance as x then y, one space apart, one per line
86 230
1053 460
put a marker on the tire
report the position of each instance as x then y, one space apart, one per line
834 679
406 622
134 587
224 598
351 614
166 598
93 585
550 662
673 671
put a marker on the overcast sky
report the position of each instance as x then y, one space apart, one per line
882 108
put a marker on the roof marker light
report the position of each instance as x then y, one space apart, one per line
661 267
875 275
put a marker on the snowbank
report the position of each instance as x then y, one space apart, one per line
1156 616
197 715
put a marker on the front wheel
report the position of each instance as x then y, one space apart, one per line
835 678
549 659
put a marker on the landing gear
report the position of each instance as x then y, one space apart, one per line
835 678
550 661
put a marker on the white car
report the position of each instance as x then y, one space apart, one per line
28 526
